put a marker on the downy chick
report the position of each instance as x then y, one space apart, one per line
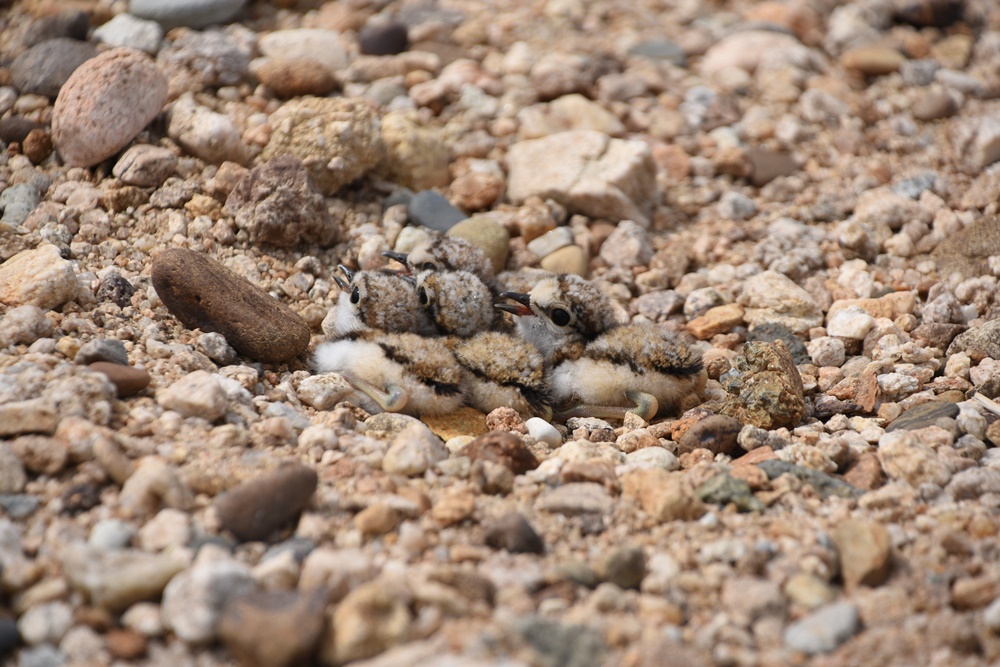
598 367
448 253
498 369
378 301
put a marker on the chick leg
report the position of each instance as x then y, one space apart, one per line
392 400
646 406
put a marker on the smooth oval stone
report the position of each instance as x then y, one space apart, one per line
205 295
190 13
128 380
923 415
105 104
430 209
383 38
45 67
258 507
17 128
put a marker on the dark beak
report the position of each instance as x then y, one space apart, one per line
346 271
398 256
408 278
340 283
521 308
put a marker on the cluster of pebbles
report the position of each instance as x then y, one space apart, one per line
808 188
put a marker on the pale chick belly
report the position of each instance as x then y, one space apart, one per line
367 361
589 382
487 396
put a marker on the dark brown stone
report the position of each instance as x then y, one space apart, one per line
37 145
383 38
923 415
937 334
513 533
258 507
716 433
273 628
128 380
502 447
15 129
205 295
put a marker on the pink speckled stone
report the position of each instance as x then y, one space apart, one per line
105 104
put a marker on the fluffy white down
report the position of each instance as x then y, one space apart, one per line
343 319
590 382
367 361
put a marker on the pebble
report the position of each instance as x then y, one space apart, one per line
767 165
146 166
624 567
933 104
45 67
983 339
513 533
23 325
577 498
43 655
102 349
205 295
41 454
125 30
36 415
273 628
773 297
664 496
194 600
128 380
337 139
38 277
851 322
19 505
651 457
105 103
372 618
550 241
294 77
873 60
324 392
566 645
454 507
823 630
117 579
627 246
824 484
215 346
716 433
504 448
808 590
152 482
16 129
542 431
197 394
923 415
417 157
432 210
865 550
72 23
827 351
725 489
276 203
18 201
256 508
570 259
413 451
486 234
377 519
765 388
108 534
973 483
596 175
383 38
45 623
169 529
9 637
211 136
905 455
325 47
569 112
716 320
189 13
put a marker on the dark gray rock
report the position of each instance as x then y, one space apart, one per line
45 67
624 567
513 533
563 645
772 331
660 49
102 349
724 489
824 484
924 415
114 288
383 38
258 507
430 209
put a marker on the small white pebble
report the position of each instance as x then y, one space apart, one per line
542 431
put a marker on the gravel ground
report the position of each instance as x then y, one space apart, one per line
808 189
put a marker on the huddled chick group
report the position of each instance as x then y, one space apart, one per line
426 340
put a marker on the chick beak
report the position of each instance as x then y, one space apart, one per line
408 278
340 283
521 308
346 271
398 256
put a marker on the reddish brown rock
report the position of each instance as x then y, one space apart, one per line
255 509
502 447
128 380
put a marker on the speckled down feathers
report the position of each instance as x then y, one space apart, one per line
502 369
447 253
458 302
386 302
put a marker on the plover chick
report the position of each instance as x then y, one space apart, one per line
447 253
400 372
498 369
457 302
598 367
376 300
502 370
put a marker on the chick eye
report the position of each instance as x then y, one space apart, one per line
422 296
428 266
559 317
355 295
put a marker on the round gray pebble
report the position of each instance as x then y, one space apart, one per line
430 209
